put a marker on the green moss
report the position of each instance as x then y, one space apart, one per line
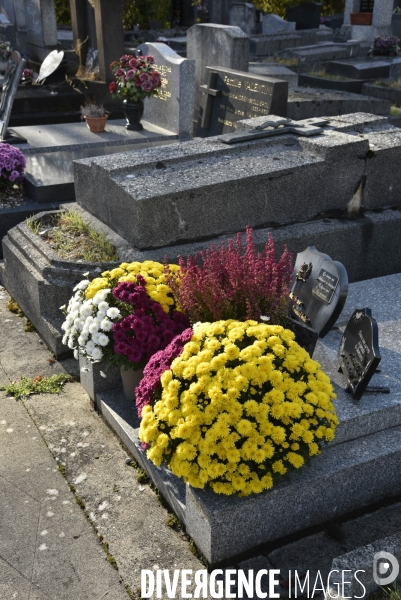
110 557
142 476
38 385
395 111
61 468
173 522
14 308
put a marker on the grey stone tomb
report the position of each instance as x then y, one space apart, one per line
172 108
230 96
273 24
243 14
215 45
319 290
10 86
305 15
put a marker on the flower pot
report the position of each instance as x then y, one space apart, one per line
130 379
96 124
133 113
362 18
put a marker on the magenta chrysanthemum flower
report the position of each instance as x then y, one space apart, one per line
148 329
160 362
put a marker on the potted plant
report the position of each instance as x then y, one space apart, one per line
385 45
95 116
123 317
234 406
137 78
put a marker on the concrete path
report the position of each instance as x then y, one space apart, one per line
58 543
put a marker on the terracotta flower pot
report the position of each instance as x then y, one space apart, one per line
96 124
362 18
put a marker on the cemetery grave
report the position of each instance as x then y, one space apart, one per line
328 182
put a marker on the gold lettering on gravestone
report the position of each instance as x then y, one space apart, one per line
261 88
163 93
233 82
228 123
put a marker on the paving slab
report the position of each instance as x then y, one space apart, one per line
49 547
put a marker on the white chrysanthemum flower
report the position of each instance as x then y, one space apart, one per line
113 313
104 306
93 328
71 343
76 354
86 274
63 307
89 347
65 339
82 340
106 325
103 340
99 318
82 285
86 309
95 337
264 318
97 353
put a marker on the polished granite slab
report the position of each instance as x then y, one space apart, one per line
51 149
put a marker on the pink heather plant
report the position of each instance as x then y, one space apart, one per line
12 165
235 283
149 329
160 362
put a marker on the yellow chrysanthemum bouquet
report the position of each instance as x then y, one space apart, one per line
240 405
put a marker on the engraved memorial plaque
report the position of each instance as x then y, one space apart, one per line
231 96
319 290
359 355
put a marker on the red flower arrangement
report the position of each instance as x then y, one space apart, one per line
136 78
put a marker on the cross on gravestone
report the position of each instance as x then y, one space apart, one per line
211 93
276 126
319 290
231 96
12 78
359 355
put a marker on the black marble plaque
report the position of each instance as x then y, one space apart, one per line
306 15
359 355
319 290
367 6
230 96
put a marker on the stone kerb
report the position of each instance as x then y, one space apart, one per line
40 281
210 44
173 108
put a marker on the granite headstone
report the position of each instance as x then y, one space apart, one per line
219 45
231 96
305 15
319 290
243 15
359 355
273 24
173 107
